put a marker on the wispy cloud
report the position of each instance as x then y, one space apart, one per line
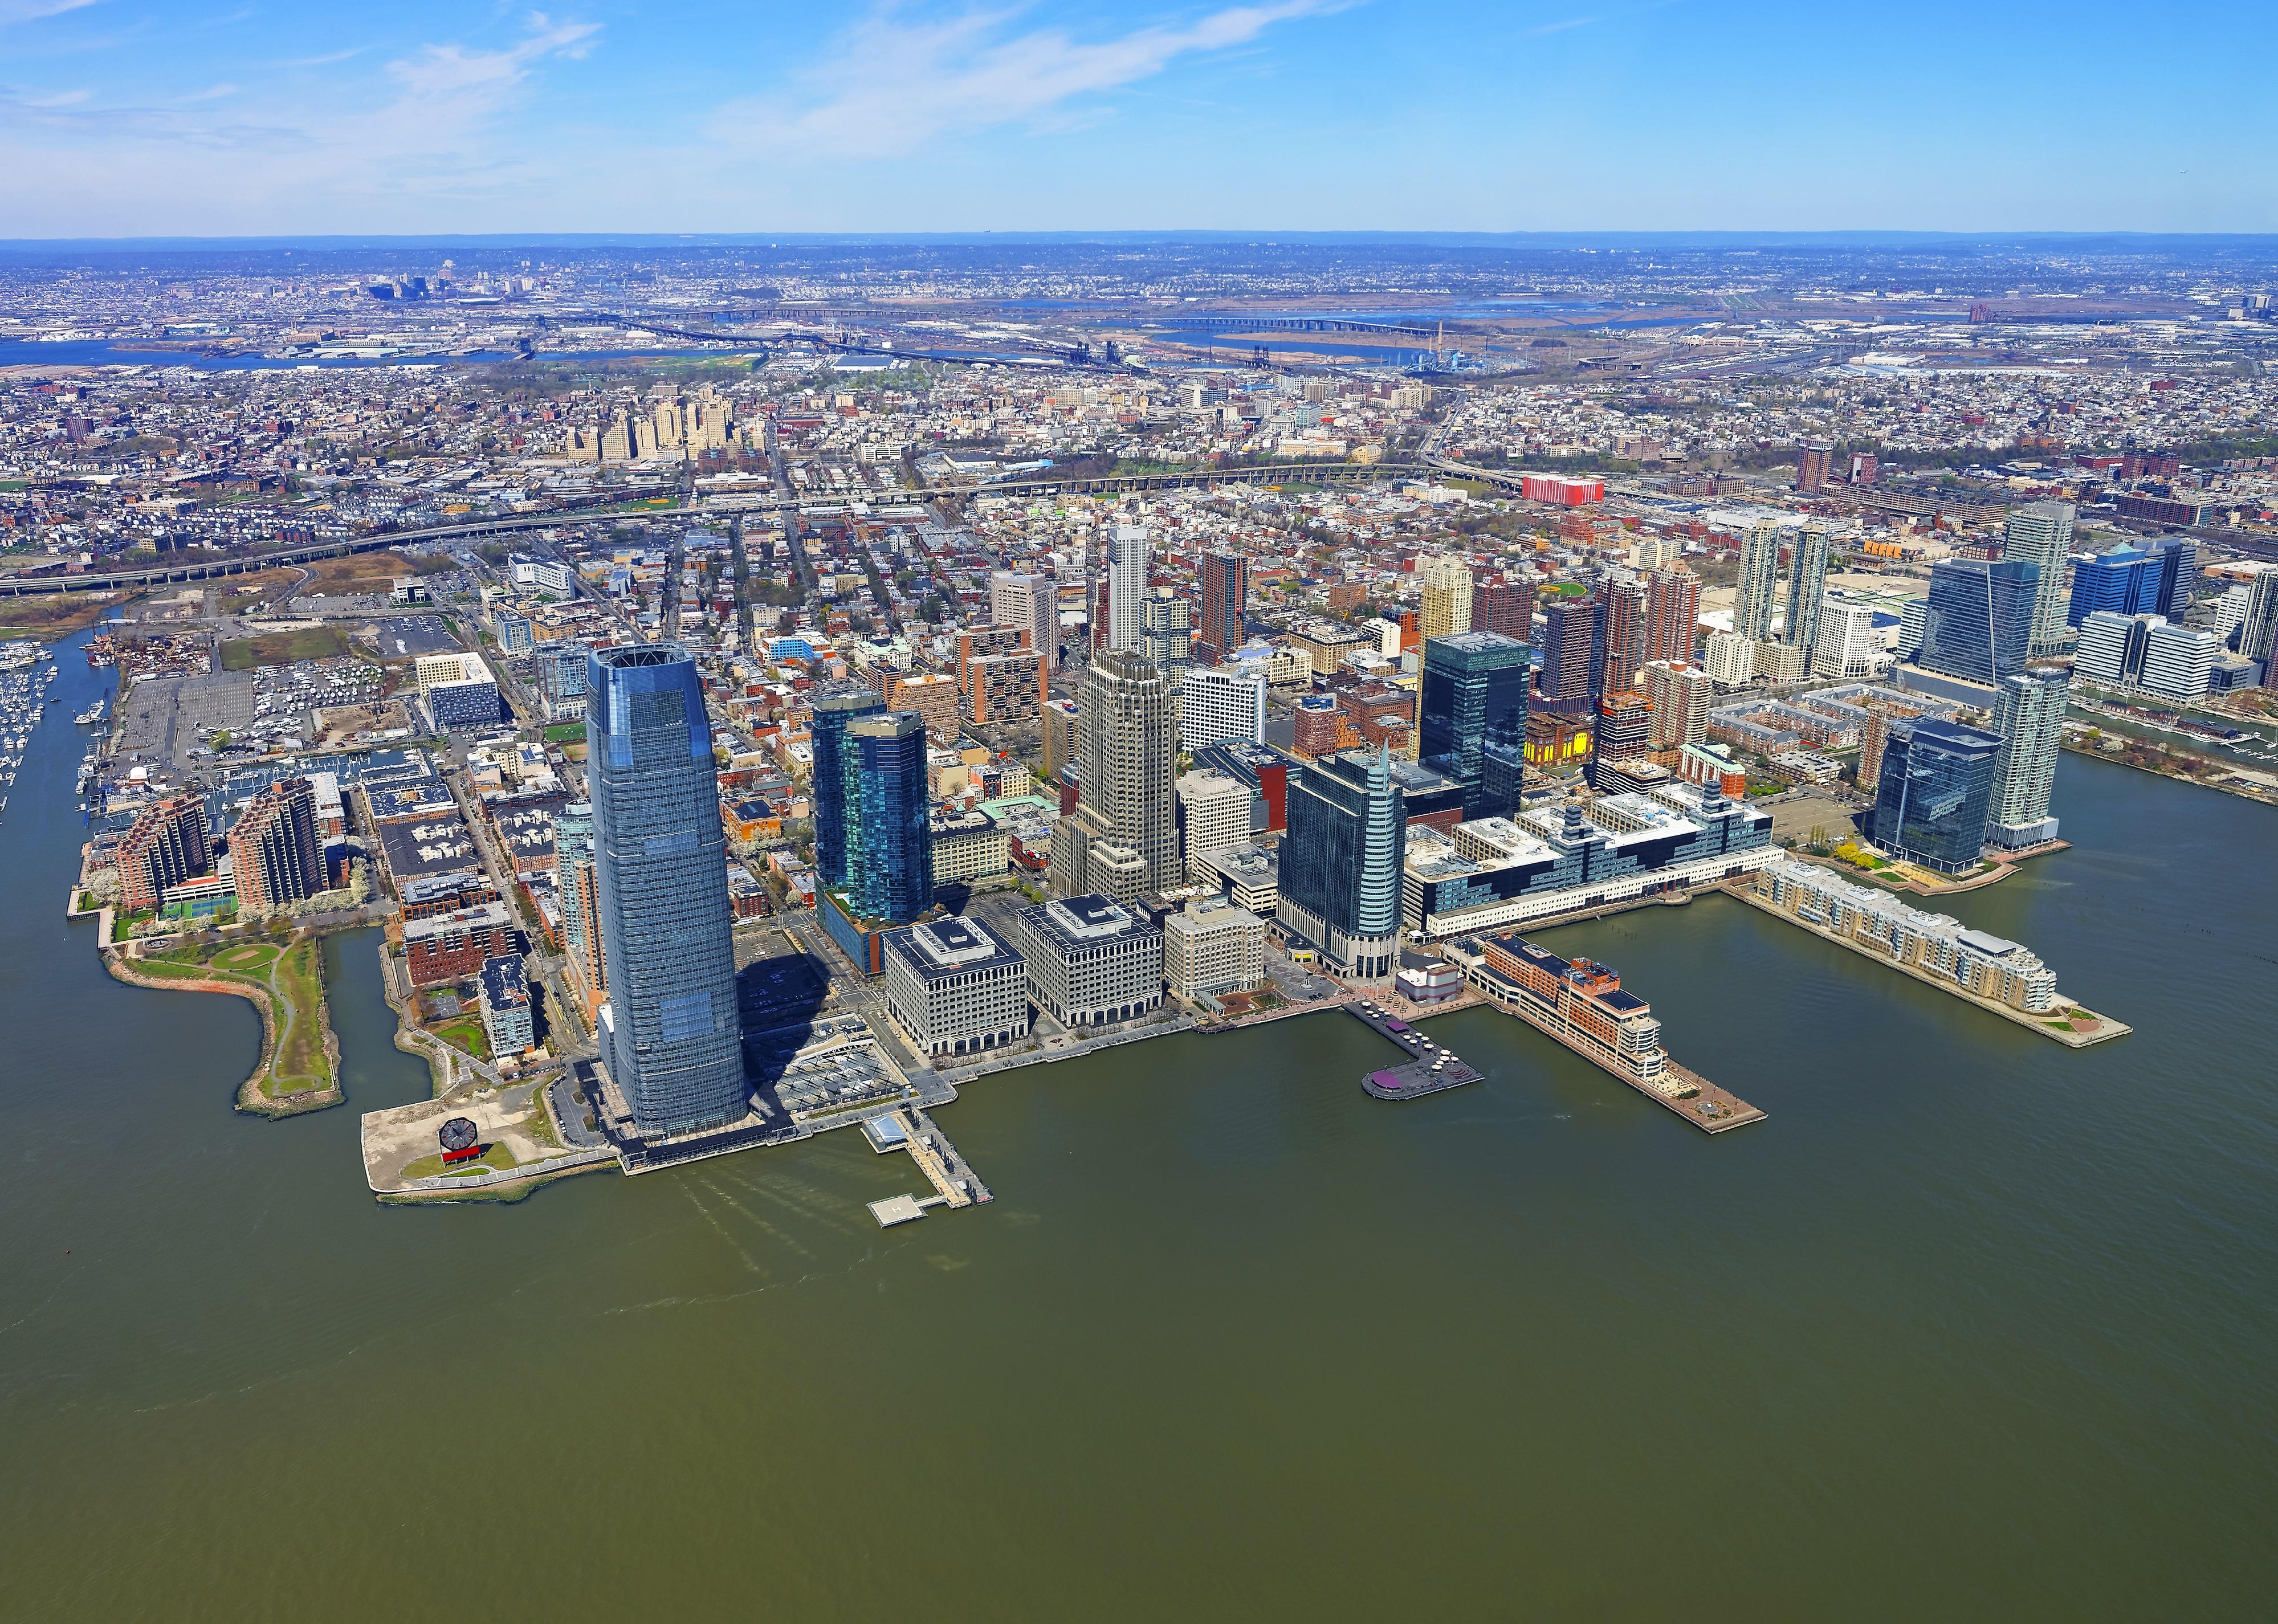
212 93
1550 28
440 72
32 10
890 85
325 60
58 98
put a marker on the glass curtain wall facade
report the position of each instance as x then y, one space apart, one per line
2040 534
1472 718
1807 589
2030 717
1340 860
890 874
833 773
2124 581
669 1031
1934 793
1979 626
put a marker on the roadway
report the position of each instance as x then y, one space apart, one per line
440 535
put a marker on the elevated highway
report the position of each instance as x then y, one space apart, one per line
1076 356
509 525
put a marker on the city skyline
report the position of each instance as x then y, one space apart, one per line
1076 117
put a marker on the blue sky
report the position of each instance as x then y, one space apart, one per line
121 117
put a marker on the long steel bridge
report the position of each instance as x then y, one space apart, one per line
563 518
1076 355
1235 322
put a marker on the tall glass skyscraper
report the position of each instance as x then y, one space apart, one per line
1340 861
2124 580
1473 704
1757 597
669 1031
1807 589
1980 621
889 855
833 772
1934 793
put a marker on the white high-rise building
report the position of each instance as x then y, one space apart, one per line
1758 595
2040 533
1913 626
1214 818
1032 603
1730 659
1846 644
1806 590
2110 647
1219 703
1127 586
1446 583
2028 714
2178 660
2258 627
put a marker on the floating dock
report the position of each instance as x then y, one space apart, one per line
953 1180
1432 1070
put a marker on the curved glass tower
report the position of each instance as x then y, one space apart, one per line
669 1031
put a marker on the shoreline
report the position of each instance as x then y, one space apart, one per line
2262 798
2106 1027
252 1098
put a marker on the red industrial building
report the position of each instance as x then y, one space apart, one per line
1563 491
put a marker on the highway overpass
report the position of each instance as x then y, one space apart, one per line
509 525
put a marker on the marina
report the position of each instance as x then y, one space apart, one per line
26 672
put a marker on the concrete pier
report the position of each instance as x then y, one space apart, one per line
1432 1070
956 1184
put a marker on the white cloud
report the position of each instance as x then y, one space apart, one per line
889 86
445 71
32 10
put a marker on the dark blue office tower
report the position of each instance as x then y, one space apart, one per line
833 776
669 1031
889 841
1472 718
1980 621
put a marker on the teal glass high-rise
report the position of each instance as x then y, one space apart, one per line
669 1031
890 855
833 776
1471 724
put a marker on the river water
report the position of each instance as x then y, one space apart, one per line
1973 1327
